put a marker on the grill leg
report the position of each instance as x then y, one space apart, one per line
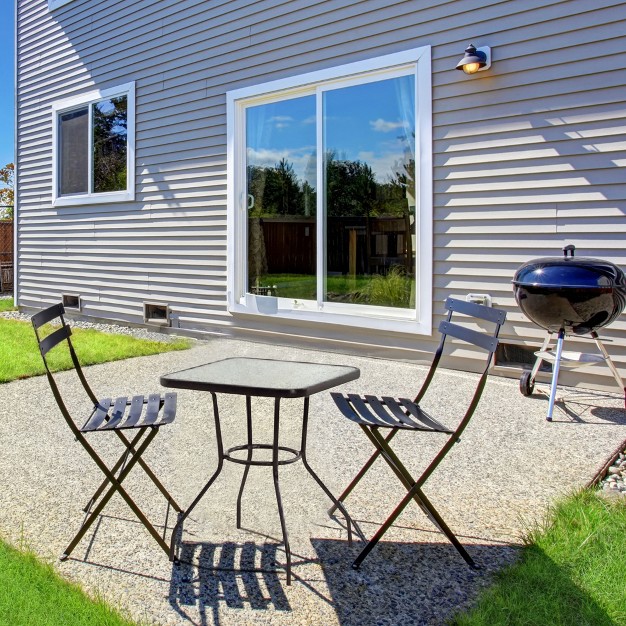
555 373
609 362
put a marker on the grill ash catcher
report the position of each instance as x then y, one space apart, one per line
569 296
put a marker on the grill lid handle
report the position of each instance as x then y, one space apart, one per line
569 248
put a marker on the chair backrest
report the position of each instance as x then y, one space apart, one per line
483 340
59 335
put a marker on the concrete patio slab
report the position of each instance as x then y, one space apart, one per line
509 467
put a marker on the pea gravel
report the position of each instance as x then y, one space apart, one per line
134 331
509 467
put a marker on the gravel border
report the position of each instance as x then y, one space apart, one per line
116 329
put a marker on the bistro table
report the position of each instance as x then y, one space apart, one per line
264 378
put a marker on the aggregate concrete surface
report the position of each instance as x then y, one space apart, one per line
509 467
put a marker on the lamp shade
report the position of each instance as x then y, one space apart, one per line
474 60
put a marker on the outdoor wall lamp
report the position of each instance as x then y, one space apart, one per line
475 59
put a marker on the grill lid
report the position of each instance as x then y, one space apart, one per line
570 271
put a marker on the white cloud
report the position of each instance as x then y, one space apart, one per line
384 164
298 157
383 126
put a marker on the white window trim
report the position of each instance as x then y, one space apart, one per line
62 106
417 321
56 4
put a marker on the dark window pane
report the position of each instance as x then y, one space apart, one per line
110 122
73 152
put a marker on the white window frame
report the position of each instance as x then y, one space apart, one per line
80 102
56 4
417 320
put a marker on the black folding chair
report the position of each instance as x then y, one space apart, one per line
373 414
145 415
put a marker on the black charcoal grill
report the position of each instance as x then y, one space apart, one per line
569 296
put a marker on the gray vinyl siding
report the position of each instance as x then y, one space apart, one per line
528 156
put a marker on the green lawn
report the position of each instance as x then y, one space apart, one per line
572 572
6 304
391 290
20 358
31 594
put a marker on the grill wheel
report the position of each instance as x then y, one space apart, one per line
526 384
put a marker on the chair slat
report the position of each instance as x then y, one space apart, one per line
169 408
134 415
400 413
426 422
43 317
497 316
98 416
345 407
487 342
362 410
379 409
117 414
152 409
53 339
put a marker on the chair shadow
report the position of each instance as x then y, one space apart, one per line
426 583
237 575
406 583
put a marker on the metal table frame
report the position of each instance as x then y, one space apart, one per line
263 378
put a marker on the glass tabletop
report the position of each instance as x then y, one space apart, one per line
262 377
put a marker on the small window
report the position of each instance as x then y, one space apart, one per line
94 147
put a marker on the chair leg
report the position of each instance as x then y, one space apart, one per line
362 472
414 492
116 486
247 467
438 520
130 448
350 523
146 468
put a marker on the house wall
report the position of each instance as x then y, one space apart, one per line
528 156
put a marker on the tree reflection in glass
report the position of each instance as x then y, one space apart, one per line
367 203
369 137
280 153
110 129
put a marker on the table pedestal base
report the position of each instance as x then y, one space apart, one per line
249 447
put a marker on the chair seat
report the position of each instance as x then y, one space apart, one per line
138 412
387 412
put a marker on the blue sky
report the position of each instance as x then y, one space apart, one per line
372 123
7 90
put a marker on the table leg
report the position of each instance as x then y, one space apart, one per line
277 488
336 503
247 467
220 465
